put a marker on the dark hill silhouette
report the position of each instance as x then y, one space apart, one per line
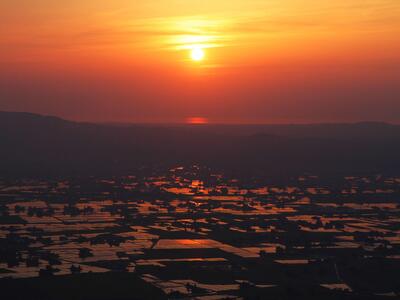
40 145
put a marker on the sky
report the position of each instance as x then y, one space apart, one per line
219 61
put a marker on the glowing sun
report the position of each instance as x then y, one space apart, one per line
197 54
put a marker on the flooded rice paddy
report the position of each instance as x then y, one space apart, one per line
198 233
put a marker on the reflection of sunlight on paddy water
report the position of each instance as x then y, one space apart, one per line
202 244
216 206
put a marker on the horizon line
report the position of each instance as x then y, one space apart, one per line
208 122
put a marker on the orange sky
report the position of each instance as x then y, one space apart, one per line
266 61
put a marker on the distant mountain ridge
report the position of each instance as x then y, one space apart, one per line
26 117
358 129
44 145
